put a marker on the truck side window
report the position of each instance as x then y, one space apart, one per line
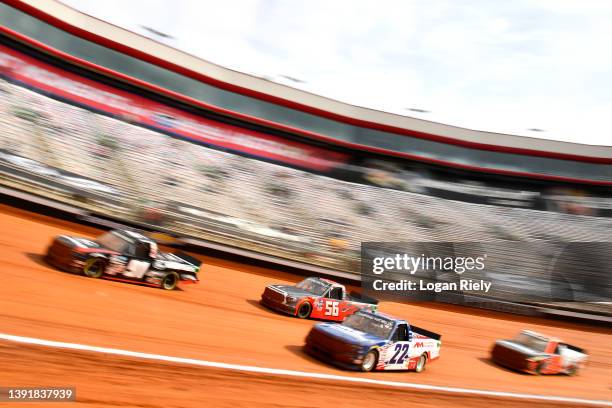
130 249
402 332
335 293
142 250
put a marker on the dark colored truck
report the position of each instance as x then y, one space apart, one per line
123 255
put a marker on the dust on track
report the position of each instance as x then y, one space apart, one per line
220 320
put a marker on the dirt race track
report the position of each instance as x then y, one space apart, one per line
221 320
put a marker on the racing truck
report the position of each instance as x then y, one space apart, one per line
370 341
534 353
123 255
316 298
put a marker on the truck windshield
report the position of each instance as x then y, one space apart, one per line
370 324
314 286
533 342
113 242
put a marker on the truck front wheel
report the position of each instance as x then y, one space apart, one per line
420 366
369 361
304 310
541 368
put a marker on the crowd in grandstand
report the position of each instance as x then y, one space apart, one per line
144 168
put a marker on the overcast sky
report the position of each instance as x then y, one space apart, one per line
505 66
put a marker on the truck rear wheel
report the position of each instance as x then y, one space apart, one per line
420 366
94 267
304 310
170 281
369 361
571 371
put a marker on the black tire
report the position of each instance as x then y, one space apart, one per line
369 361
170 281
572 371
304 310
94 267
420 366
541 367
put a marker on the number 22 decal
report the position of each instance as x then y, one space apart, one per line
399 348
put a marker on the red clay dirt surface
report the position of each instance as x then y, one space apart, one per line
220 320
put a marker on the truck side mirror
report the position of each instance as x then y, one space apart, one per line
403 334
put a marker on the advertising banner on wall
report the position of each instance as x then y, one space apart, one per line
59 83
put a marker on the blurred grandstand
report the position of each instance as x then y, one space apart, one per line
188 187
122 168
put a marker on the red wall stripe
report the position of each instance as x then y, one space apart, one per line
125 78
35 12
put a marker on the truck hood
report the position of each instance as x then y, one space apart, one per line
178 262
524 350
291 290
83 245
348 335
170 257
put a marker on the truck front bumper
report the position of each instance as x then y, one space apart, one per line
278 306
346 360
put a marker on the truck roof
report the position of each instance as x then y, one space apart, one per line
383 315
331 282
541 336
132 236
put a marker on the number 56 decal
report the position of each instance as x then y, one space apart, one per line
331 308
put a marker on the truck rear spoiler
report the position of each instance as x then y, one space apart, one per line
361 297
425 333
575 348
188 258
